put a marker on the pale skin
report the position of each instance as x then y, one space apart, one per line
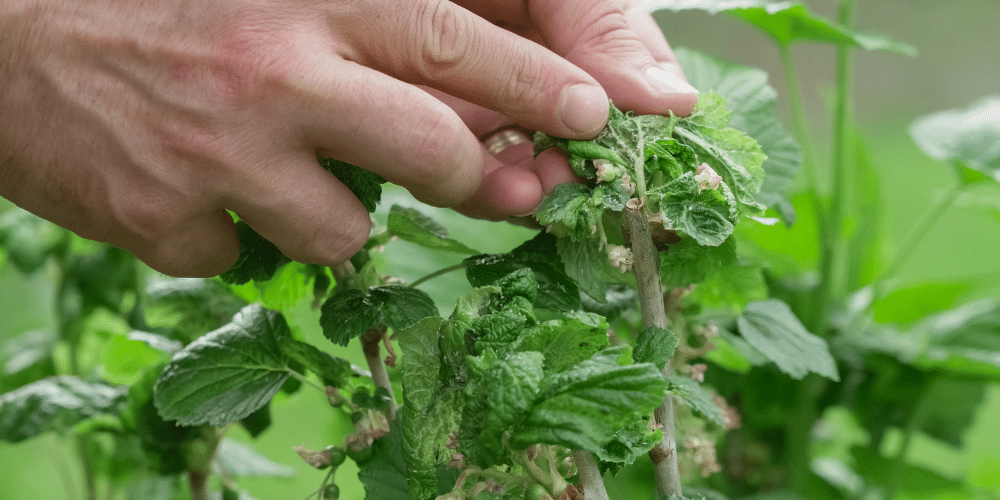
140 123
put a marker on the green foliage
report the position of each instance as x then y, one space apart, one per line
384 472
29 240
788 22
583 407
53 404
772 328
556 290
365 185
695 396
966 137
498 395
229 373
259 258
350 313
655 345
751 100
411 225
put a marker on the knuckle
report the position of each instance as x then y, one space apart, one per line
609 32
437 162
445 39
528 82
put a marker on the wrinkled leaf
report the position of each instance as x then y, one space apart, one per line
584 407
655 345
259 258
429 415
384 473
365 185
350 313
556 290
590 268
751 99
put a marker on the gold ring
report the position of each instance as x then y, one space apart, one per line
502 139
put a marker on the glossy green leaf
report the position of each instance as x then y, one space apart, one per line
227 374
787 22
772 328
411 225
53 404
967 137
751 100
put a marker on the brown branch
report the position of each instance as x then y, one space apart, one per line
591 481
371 345
646 266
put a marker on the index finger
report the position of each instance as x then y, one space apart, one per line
444 46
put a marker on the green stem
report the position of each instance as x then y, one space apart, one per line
842 117
640 178
899 462
305 380
798 432
917 232
817 319
439 272
371 343
800 125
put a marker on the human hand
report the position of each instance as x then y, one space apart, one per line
140 123
617 42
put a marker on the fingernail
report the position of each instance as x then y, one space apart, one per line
583 108
668 82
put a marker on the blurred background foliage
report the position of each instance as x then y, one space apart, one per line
956 66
